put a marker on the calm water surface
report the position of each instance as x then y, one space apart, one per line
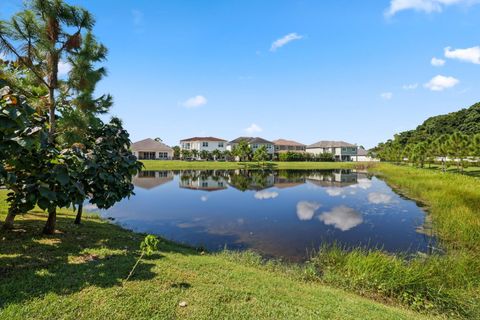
277 213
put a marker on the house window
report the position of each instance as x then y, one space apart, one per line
254 146
204 144
186 146
204 184
220 144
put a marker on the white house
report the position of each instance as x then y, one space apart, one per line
341 150
254 143
149 149
203 143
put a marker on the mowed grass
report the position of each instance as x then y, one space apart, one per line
219 165
77 274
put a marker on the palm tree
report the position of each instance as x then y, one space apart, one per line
204 154
261 154
217 154
186 154
195 153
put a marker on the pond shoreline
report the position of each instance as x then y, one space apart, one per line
440 284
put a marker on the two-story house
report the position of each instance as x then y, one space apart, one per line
203 143
283 145
341 150
254 143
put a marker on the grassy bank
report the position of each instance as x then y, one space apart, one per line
212 165
445 282
77 274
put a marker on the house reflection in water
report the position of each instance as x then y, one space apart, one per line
151 179
335 178
203 180
288 179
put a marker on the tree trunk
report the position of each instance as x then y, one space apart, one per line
78 218
51 131
9 220
52 218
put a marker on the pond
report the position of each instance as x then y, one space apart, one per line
282 214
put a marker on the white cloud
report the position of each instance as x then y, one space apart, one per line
411 86
363 183
386 95
306 210
342 217
436 62
253 128
137 16
284 40
264 194
64 68
195 102
467 55
427 6
440 83
377 198
334 192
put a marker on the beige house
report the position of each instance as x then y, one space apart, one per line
149 149
283 145
341 150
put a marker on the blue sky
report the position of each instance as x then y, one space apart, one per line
357 71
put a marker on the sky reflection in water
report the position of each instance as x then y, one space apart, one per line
277 213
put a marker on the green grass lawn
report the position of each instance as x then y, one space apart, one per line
77 274
218 165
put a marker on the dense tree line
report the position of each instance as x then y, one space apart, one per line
457 148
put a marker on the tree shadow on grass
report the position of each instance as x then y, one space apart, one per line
95 253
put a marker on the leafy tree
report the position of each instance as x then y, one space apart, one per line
47 34
44 35
23 135
476 145
204 154
326 157
243 151
217 154
108 167
261 154
228 155
186 154
176 152
194 153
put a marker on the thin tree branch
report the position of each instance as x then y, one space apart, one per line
21 60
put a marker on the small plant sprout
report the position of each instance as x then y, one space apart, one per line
148 247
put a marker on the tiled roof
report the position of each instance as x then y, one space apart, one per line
204 139
150 145
330 144
284 142
362 152
251 140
